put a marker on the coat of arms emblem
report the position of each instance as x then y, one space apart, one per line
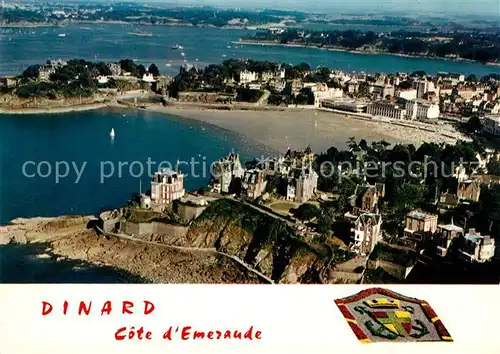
377 315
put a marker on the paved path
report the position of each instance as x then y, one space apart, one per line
190 249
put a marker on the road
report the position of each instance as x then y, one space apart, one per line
190 249
325 269
264 98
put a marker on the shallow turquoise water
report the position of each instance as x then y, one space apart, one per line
110 170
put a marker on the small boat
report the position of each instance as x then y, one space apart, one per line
168 64
62 35
112 133
141 34
183 54
224 55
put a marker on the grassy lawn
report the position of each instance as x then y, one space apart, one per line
283 207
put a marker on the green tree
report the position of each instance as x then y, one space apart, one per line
306 212
325 223
141 70
153 69
103 69
474 124
409 196
128 65
31 72
347 189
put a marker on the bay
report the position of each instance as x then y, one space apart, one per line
20 47
111 170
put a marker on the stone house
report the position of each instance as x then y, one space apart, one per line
275 166
225 171
301 184
161 84
299 159
477 248
444 236
365 233
449 200
167 185
110 220
115 69
470 190
365 199
253 184
8 82
248 76
420 226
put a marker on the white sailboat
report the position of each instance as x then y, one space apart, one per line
112 133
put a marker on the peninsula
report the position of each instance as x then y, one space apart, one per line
443 45
286 219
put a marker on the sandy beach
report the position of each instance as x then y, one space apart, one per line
280 129
296 129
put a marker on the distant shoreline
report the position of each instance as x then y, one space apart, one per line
53 110
65 23
338 49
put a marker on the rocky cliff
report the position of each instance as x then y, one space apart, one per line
261 241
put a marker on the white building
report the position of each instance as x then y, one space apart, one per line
366 233
386 109
326 94
102 79
302 184
421 110
148 78
477 248
381 90
491 124
248 76
410 94
422 86
344 104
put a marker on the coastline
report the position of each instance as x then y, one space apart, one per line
278 129
69 238
335 49
53 110
298 128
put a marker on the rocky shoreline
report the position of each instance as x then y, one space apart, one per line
229 242
69 238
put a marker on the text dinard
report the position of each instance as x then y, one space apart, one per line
146 308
